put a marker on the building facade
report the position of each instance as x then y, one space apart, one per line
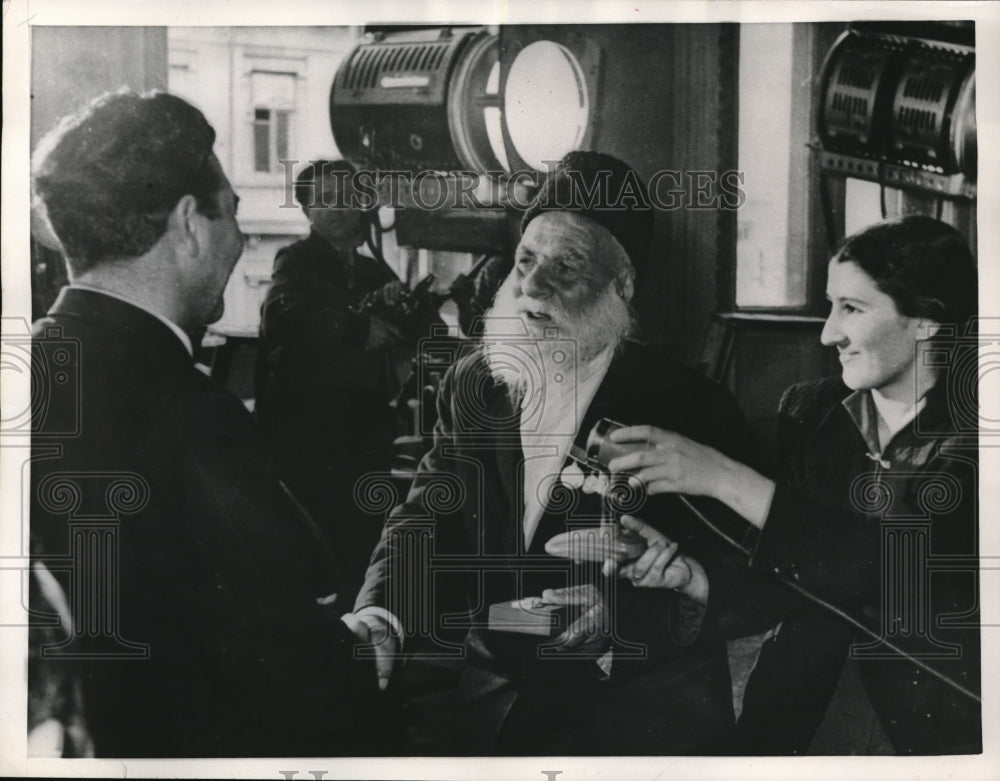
267 95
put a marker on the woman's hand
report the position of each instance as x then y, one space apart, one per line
661 566
671 463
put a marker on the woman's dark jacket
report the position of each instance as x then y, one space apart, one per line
890 538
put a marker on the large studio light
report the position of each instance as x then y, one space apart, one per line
900 109
420 99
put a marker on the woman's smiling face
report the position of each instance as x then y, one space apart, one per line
877 344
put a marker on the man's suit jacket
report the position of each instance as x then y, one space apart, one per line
465 512
194 583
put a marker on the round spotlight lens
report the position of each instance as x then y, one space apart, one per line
545 103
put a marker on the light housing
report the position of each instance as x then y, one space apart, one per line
899 109
417 100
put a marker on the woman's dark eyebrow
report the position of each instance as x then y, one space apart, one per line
849 298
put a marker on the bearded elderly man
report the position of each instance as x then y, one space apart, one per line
632 675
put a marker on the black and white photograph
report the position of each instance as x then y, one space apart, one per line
518 390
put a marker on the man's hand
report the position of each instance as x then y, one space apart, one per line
462 290
587 633
391 302
374 630
662 567
671 463
393 294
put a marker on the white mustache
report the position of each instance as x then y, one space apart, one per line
600 322
536 311
524 304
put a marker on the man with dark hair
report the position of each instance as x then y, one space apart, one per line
144 170
201 617
631 675
326 363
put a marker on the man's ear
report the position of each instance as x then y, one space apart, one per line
626 285
185 225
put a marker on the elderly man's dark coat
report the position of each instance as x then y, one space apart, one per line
456 547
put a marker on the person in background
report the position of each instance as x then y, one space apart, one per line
332 329
474 294
879 479
197 614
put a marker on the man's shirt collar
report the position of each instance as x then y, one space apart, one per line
178 331
864 408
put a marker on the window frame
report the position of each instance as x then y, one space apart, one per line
273 126
246 106
815 201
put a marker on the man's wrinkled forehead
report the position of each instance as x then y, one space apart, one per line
567 234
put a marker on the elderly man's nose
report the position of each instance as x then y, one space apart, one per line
536 282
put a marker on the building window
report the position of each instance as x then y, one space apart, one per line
270 138
864 204
783 229
768 274
273 96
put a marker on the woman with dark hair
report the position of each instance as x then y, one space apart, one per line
874 512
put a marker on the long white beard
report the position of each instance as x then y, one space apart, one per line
527 357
